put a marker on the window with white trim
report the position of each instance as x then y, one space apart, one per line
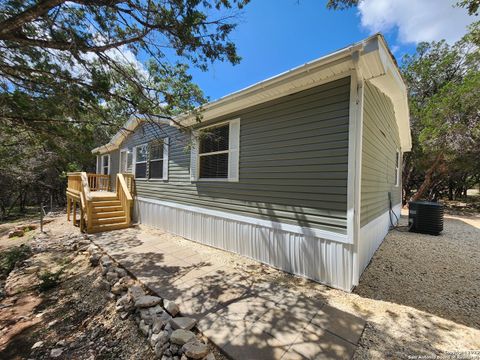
105 169
155 164
397 168
140 157
151 160
215 152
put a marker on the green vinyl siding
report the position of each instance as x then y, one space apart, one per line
380 143
293 161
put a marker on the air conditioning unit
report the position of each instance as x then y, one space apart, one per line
425 217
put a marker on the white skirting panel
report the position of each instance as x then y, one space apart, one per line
326 261
372 235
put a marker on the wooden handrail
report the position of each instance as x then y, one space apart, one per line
87 198
129 179
125 197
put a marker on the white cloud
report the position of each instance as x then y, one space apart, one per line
416 20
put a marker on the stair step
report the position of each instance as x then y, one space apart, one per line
108 214
109 227
110 208
106 203
110 220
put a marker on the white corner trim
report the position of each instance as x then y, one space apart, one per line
324 234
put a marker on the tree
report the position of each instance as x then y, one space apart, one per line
61 60
444 93
70 76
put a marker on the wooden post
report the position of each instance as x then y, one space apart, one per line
81 218
74 215
68 208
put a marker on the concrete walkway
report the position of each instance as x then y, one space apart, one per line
240 305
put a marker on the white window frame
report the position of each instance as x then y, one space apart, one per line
102 167
233 153
140 162
397 167
166 142
125 150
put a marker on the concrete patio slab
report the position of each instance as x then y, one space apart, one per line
239 304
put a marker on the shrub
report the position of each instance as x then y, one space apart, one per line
9 257
49 280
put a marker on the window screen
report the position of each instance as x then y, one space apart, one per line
141 153
214 153
156 160
214 140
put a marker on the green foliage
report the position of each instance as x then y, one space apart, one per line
341 4
70 77
49 280
444 92
9 257
471 5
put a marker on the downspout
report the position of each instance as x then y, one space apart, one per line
357 92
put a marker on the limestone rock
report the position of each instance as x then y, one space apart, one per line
119 287
136 292
37 345
160 348
147 301
111 276
55 353
195 349
94 259
180 337
160 338
144 328
183 323
171 307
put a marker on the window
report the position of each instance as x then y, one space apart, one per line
213 152
151 160
156 160
125 161
215 155
397 168
105 170
140 155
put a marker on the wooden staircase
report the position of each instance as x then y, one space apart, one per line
100 210
108 214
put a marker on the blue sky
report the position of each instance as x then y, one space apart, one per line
276 35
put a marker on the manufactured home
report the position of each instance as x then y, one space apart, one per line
301 171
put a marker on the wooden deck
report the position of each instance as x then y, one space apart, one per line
100 208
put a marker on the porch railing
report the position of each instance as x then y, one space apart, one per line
98 182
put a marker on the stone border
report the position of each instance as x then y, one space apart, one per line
171 337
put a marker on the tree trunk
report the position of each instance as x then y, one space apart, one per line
427 182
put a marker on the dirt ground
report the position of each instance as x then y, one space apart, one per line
420 296
77 318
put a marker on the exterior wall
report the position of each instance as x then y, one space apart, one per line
380 143
114 166
293 162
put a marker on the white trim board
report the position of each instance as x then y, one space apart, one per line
318 233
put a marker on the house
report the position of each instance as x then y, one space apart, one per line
301 171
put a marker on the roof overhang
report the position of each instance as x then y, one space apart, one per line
376 64
122 134
370 58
